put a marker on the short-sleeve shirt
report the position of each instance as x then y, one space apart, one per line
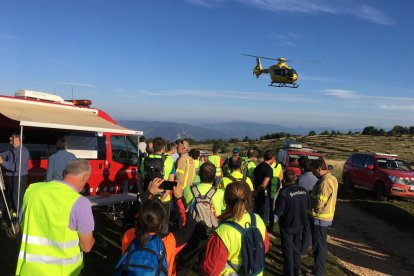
81 218
262 171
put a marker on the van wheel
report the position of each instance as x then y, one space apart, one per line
349 186
380 192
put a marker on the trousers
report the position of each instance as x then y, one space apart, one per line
290 243
320 248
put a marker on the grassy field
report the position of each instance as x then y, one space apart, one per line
336 149
107 251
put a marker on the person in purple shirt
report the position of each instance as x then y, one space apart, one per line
58 161
81 219
10 161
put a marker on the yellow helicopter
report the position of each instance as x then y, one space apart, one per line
281 74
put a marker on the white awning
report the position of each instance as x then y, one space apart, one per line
50 115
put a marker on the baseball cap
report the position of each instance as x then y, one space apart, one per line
236 150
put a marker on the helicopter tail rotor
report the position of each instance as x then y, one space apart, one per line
257 70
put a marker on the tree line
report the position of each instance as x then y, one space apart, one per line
397 130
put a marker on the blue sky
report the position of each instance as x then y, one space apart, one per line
180 60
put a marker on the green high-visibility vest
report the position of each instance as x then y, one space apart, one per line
215 160
275 180
49 246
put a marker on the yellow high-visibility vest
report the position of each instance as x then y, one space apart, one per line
215 160
232 240
49 246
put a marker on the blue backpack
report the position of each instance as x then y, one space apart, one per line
147 261
252 248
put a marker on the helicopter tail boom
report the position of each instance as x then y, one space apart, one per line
258 69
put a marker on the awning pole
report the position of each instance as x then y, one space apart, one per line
20 170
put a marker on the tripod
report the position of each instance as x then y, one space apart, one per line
2 188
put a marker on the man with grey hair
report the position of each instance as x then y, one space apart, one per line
58 220
58 161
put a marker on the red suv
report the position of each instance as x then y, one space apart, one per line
385 174
290 153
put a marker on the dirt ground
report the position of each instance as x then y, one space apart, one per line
366 245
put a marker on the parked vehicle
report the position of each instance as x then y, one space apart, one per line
91 134
386 174
290 153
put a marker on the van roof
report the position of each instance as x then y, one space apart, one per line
51 115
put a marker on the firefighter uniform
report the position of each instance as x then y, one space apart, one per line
185 170
323 201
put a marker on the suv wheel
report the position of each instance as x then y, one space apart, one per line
348 183
380 192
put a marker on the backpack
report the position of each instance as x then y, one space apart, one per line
201 208
245 168
153 168
243 180
252 248
150 260
226 167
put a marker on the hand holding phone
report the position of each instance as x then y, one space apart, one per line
168 185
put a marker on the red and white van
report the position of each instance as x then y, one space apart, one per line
290 153
91 134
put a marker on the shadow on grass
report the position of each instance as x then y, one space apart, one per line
388 212
274 260
9 252
107 251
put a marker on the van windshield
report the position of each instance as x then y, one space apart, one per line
124 150
393 164
294 159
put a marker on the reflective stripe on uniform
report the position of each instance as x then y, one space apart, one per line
186 173
47 242
319 215
323 198
234 273
48 259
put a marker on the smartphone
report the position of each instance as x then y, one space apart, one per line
168 185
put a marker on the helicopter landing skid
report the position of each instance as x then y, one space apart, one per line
289 85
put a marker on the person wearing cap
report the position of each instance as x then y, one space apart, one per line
216 160
225 166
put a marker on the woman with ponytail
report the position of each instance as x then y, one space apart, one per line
224 249
150 219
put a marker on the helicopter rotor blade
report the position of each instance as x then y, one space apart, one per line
308 61
260 57
288 60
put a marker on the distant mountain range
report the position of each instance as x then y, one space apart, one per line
223 130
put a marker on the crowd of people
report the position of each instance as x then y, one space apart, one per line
211 215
